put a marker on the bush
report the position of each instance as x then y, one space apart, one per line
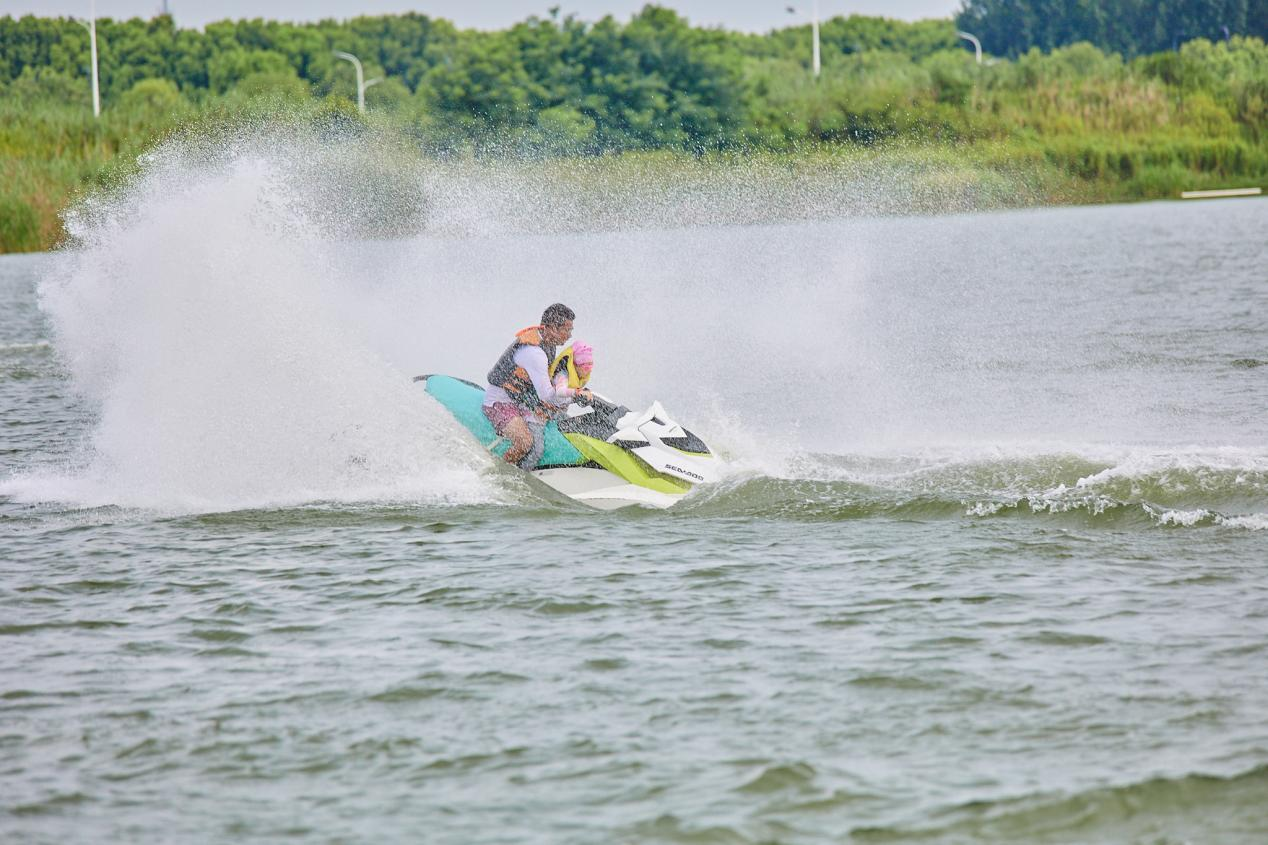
19 225
152 96
952 75
42 85
283 86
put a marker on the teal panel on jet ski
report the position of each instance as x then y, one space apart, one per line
463 400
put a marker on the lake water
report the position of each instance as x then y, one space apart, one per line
989 565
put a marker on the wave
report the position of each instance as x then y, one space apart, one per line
1190 808
1160 811
26 361
25 347
1185 489
1226 487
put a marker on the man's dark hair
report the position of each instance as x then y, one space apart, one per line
557 315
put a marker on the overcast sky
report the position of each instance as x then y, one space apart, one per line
749 15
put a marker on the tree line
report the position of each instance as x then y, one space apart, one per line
654 81
1128 27
561 83
1121 125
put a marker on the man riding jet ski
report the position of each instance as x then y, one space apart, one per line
521 397
538 414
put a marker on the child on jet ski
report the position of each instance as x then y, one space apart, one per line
521 397
571 368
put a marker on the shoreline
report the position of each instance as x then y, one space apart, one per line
659 188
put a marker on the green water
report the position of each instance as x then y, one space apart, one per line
993 571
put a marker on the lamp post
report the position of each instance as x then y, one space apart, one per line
91 26
977 45
361 82
814 29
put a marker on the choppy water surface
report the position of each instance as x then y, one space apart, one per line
990 566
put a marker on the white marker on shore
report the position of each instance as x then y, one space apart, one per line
1225 192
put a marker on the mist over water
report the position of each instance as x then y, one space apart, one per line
201 320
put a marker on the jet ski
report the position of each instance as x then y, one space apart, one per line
599 453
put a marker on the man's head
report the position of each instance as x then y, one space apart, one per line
557 323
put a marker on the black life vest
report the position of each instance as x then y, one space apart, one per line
513 378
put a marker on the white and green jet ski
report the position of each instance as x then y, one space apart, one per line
599 453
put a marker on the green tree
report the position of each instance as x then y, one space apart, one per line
234 64
1130 27
153 96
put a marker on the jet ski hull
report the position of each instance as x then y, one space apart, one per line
574 464
601 489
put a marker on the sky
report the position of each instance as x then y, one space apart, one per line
746 15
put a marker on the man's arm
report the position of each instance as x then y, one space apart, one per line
533 360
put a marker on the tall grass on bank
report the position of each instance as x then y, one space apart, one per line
1073 125
51 151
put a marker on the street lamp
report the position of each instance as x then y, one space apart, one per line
814 27
361 83
91 26
977 45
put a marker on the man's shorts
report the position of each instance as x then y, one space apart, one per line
500 414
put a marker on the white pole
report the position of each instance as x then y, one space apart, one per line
977 45
96 85
815 27
814 36
91 26
360 78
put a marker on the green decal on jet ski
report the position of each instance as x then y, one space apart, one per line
620 462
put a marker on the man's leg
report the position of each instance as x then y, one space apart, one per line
537 428
521 438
